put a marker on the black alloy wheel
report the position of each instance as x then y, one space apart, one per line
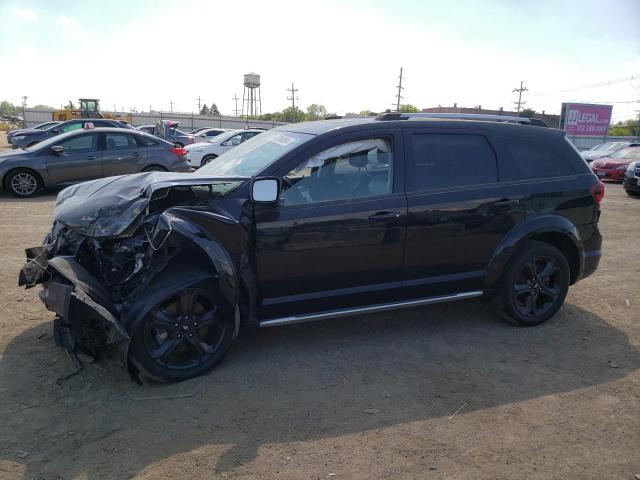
534 284
184 335
537 287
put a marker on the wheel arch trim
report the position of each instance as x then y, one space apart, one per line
543 228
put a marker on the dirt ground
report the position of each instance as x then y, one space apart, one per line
441 392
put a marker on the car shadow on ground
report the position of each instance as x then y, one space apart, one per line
293 384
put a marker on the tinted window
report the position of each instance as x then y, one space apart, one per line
102 123
146 142
72 126
247 135
79 143
530 159
449 160
346 171
118 141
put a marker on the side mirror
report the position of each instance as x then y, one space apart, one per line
265 190
57 150
54 131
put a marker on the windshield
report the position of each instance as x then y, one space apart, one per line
608 147
626 153
44 126
612 146
254 155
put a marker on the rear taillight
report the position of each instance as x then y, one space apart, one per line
597 192
179 151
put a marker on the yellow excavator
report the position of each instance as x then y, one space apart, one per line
89 108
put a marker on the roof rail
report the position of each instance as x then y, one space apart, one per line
463 116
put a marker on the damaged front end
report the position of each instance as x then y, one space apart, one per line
111 240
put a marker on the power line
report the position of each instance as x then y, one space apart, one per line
522 88
235 99
602 84
293 99
399 94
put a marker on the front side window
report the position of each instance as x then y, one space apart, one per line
449 160
79 143
352 170
119 141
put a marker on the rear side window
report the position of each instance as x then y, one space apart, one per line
120 141
532 159
449 160
146 142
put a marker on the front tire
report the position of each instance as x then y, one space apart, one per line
632 193
23 183
534 284
184 335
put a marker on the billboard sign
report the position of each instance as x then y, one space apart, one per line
585 120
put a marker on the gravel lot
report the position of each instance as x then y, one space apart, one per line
442 392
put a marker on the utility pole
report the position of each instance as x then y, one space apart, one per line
293 99
399 95
235 99
150 108
199 105
24 110
520 103
171 104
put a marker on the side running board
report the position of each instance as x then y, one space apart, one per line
346 312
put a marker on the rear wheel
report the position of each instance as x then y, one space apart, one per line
23 182
632 193
184 335
534 284
208 158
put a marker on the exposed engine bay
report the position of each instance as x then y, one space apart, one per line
103 252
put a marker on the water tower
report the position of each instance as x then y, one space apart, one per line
251 101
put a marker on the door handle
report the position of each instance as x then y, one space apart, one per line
135 154
91 157
506 202
381 216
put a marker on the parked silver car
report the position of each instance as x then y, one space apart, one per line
84 155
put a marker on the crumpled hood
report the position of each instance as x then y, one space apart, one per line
108 206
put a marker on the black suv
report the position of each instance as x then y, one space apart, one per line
318 220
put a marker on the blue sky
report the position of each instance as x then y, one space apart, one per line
345 55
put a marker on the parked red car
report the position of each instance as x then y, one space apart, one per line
614 166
